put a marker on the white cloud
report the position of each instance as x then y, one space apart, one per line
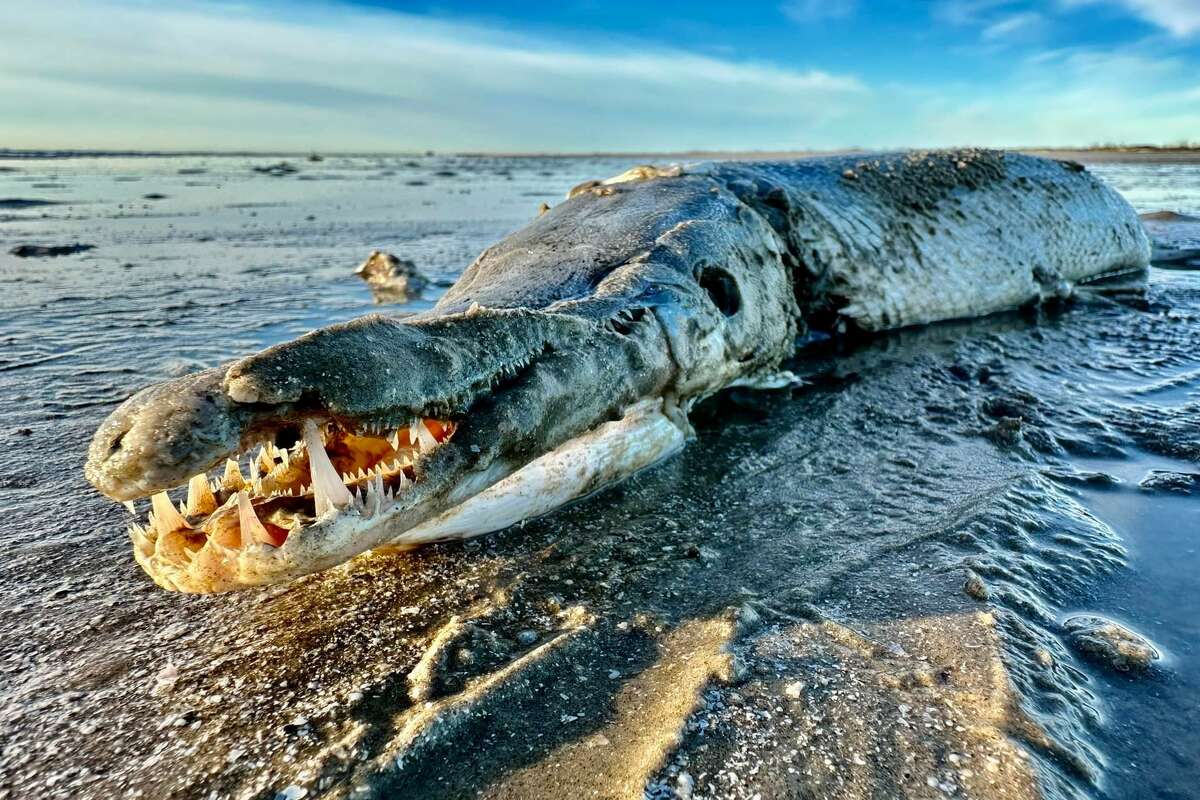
1179 17
1012 26
805 11
1071 97
967 12
129 73
142 74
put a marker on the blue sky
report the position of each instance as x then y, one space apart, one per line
590 75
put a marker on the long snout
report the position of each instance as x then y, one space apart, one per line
370 372
164 434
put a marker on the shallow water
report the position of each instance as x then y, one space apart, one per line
862 496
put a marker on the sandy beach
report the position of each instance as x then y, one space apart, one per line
793 607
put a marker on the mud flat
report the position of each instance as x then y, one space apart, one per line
855 588
1124 155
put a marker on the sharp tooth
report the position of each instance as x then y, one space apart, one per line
375 495
232 480
252 530
286 458
218 549
140 539
166 518
265 462
129 507
200 498
394 440
370 501
328 489
427 439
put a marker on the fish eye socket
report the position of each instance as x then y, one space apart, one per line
722 289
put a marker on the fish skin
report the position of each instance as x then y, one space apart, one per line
660 284
880 240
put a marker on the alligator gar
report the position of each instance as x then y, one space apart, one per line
568 355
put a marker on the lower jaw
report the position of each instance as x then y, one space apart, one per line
489 502
589 462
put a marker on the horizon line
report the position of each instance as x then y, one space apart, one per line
87 152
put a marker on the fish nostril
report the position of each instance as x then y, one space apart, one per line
286 437
115 444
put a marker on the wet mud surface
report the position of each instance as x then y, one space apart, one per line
853 588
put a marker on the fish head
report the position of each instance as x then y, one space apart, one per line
310 452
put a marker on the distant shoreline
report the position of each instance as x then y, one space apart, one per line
1122 155
1129 154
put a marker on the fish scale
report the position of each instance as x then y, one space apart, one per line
568 355
973 250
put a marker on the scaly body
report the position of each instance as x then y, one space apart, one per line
568 355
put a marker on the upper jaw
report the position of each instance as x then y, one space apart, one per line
372 372
166 433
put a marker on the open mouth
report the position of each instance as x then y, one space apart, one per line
308 469
330 465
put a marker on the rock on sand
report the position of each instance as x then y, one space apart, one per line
1110 643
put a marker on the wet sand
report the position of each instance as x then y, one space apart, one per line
1147 156
1095 155
849 589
